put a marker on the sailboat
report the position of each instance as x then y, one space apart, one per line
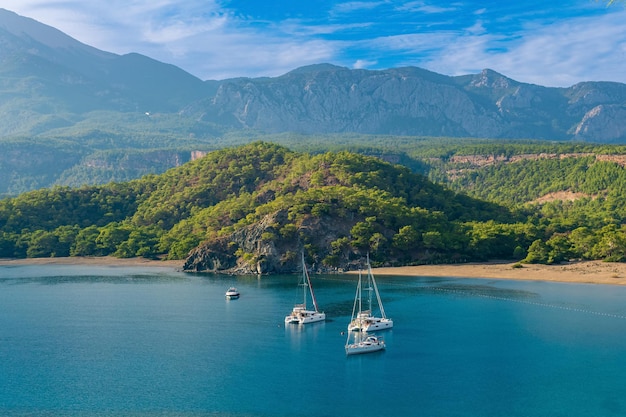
365 321
300 314
366 344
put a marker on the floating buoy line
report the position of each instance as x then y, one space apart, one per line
468 293
529 302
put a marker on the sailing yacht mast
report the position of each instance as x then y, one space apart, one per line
365 321
373 283
357 298
308 284
300 314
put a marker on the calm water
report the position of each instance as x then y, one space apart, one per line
78 341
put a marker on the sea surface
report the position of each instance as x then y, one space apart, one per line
142 341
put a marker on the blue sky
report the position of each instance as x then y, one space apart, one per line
548 43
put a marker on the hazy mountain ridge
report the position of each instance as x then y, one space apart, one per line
412 101
45 72
56 89
45 66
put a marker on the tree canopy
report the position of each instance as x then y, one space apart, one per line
497 211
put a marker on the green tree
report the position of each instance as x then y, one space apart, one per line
362 232
378 243
582 240
611 245
406 239
433 240
66 236
42 244
111 236
7 245
560 249
141 241
538 253
180 249
85 242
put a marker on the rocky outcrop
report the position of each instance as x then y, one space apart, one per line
262 248
250 250
602 124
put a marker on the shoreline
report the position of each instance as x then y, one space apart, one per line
96 261
580 272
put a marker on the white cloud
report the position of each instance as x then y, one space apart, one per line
225 54
196 36
303 28
413 45
560 54
353 6
363 64
422 7
213 42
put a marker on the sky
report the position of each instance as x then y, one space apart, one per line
555 44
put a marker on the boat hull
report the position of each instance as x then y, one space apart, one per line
232 294
371 344
304 317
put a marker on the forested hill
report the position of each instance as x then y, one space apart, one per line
252 209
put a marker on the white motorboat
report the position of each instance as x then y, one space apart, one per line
300 313
371 343
232 293
364 320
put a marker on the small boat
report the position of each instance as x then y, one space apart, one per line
365 321
300 313
232 293
371 343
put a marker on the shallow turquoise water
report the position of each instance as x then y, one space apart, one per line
107 341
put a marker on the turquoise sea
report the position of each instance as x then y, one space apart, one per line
120 341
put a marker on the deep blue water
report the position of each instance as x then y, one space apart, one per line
112 341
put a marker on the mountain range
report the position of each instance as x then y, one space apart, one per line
50 76
53 87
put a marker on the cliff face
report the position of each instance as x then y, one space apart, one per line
412 101
603 123
266 254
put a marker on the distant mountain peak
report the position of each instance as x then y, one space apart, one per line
316 68
27 28
492 79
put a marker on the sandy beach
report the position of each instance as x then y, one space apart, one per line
96 260
588 272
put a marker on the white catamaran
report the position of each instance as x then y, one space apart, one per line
300 314
365 321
